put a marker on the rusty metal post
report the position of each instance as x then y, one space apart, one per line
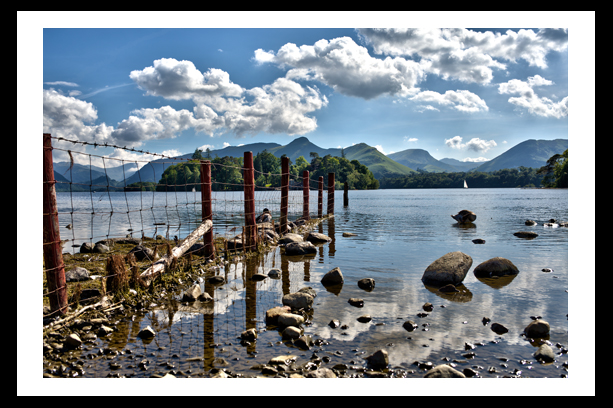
207 211
52 250
284 194
305 194
330 193
320 196
249 188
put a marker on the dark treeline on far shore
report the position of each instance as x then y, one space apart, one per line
505 178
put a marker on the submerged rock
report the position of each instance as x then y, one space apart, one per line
526 234
450 268
146 333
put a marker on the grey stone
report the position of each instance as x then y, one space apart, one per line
537 329
146 333
495 267
316 237
298 300
526 234
545 354
290 319
333 277
444 371
77 274
450 268
300 248
379 359
191 294
367 284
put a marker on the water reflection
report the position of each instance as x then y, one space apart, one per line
396 241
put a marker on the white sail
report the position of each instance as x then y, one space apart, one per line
465 185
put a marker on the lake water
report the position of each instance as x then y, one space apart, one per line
399 233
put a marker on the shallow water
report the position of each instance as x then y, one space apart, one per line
399 233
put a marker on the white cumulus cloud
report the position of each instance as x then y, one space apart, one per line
474 144
529 100
462 100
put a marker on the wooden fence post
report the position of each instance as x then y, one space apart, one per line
305 194
330 193
249 187
207 211
52 250
284 194
320 196
346 195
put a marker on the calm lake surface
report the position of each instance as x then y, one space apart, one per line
399 233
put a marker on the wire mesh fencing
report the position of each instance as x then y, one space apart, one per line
161 201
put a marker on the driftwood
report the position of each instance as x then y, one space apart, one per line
163 263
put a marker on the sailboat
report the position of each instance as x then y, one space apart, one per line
465 185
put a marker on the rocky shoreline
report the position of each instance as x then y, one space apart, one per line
70 345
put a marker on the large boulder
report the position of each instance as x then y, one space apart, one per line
300 248
333 277
495 267
272 315
298 300
450 268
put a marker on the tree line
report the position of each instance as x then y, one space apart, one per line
226 173
505 178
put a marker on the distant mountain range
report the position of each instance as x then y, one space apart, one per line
530 153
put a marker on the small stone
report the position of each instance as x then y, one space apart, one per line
357 302
545 354
537 329
409 325
147 333
367 284
334 323
444 371
498 328
291 333
73 341
526 234
290 319
379 359
249 335
274 273
364 319
427 307
258 277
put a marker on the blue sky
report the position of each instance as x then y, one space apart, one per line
463 93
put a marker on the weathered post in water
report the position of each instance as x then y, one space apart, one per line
249 187
284 194
320 196
52 250
346 195
305 194
330 193
207 212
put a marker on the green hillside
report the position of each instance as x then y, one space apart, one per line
378 163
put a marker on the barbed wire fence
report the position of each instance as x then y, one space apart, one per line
96 211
